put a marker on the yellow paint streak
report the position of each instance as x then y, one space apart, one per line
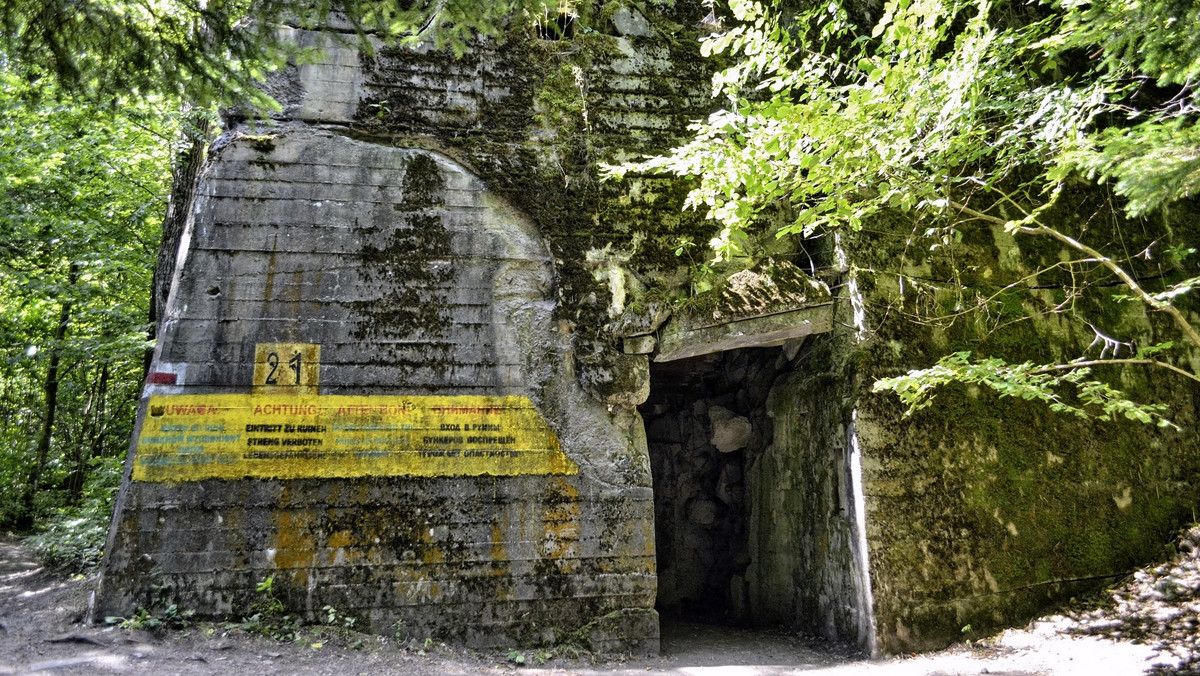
231 436
429 551
293 543
560 530
497 552
501 571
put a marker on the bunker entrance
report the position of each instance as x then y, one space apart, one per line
706 426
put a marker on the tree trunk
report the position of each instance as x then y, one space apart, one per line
91 436
50 397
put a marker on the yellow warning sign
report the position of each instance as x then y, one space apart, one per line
230 436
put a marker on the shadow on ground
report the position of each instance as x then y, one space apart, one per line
41 631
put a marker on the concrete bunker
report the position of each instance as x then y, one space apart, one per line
361 395
971 519
758 509
757 496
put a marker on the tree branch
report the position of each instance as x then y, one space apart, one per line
1106 362
1173 312
1030 225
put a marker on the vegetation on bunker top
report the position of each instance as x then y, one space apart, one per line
904 132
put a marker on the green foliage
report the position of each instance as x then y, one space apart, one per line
1155 37
450 24
70 546
268 616
1045 383
333 618
1154 163
82 192
1153 156
71 541
110 48
961 115
216 52
543 655
171 618
935 103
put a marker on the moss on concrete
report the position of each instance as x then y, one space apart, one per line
540 145
983 510
417 251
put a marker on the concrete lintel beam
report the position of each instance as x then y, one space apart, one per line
681 342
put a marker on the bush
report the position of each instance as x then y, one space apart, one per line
72 541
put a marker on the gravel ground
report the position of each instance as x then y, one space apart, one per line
1159 607
1149 626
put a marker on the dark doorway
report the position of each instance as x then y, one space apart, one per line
706 425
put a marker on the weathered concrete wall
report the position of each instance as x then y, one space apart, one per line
982 511
410 276
987 511
807 547
425 237
901 533
413 280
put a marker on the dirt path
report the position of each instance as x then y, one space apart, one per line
41 631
